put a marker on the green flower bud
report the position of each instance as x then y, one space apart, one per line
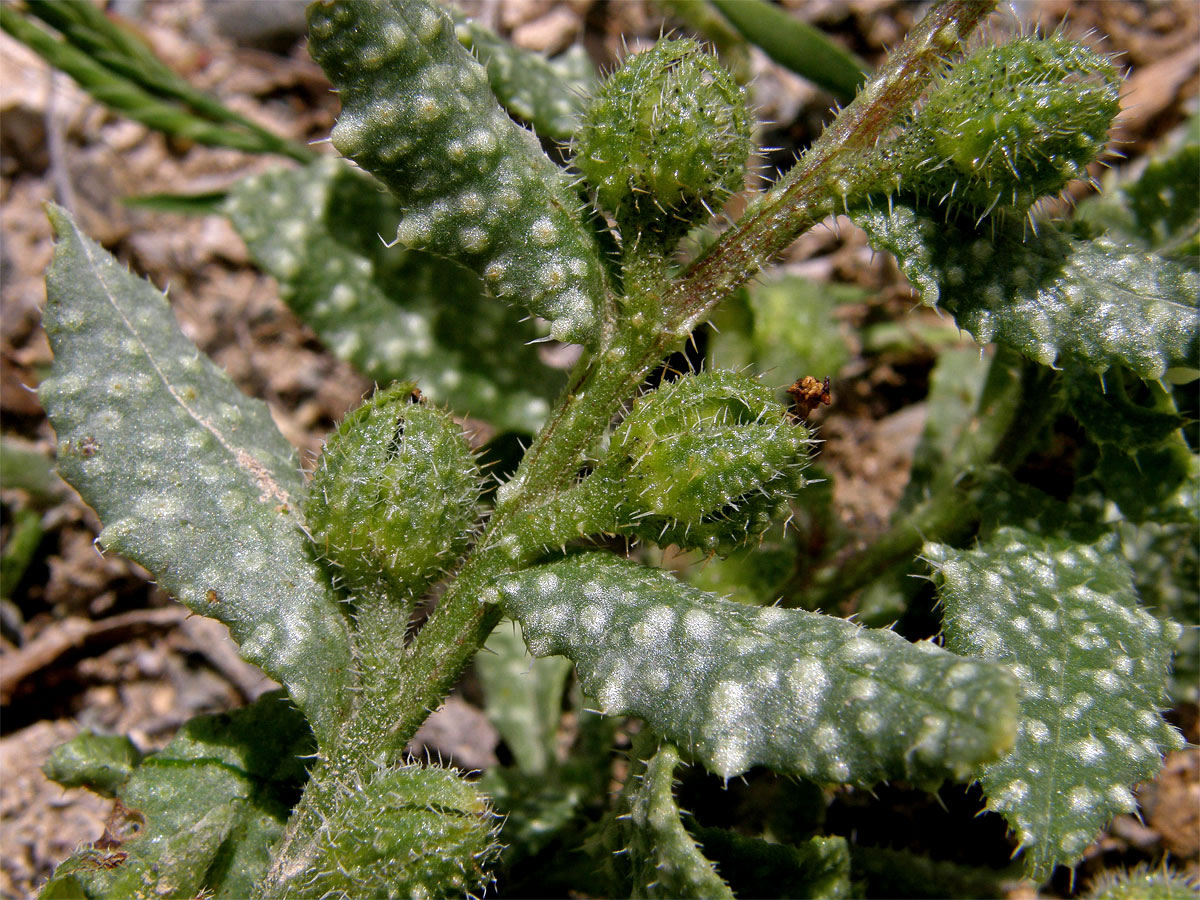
706 462
393 498
666 137
1010 124
413 831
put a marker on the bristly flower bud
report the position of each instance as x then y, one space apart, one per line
393 498
411 831
665 139
1010 124
706 462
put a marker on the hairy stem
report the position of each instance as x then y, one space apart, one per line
835 170
1015 405
461 623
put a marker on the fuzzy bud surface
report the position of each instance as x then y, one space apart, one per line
1010 124
707 461
394 495
667 134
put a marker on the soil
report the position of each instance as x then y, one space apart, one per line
88 641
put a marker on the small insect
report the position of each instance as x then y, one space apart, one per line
394 445
108 861
807 394
122 824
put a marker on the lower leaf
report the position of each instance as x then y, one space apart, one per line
1092 666
738 686
199 816
190 477
665 859
392 313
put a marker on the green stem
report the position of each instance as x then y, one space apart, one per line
296 853
463 621
836 169
1017 401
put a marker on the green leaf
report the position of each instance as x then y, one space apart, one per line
797 46
1165 559
418 114
1149 484
1136 456
1158 211
664 858
737 686
1092 667
190 477
1117 408
394 314
523 697
549 94
208 203
25 534
63 887
1004 502
123 75
202 814
100 762
1048 294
